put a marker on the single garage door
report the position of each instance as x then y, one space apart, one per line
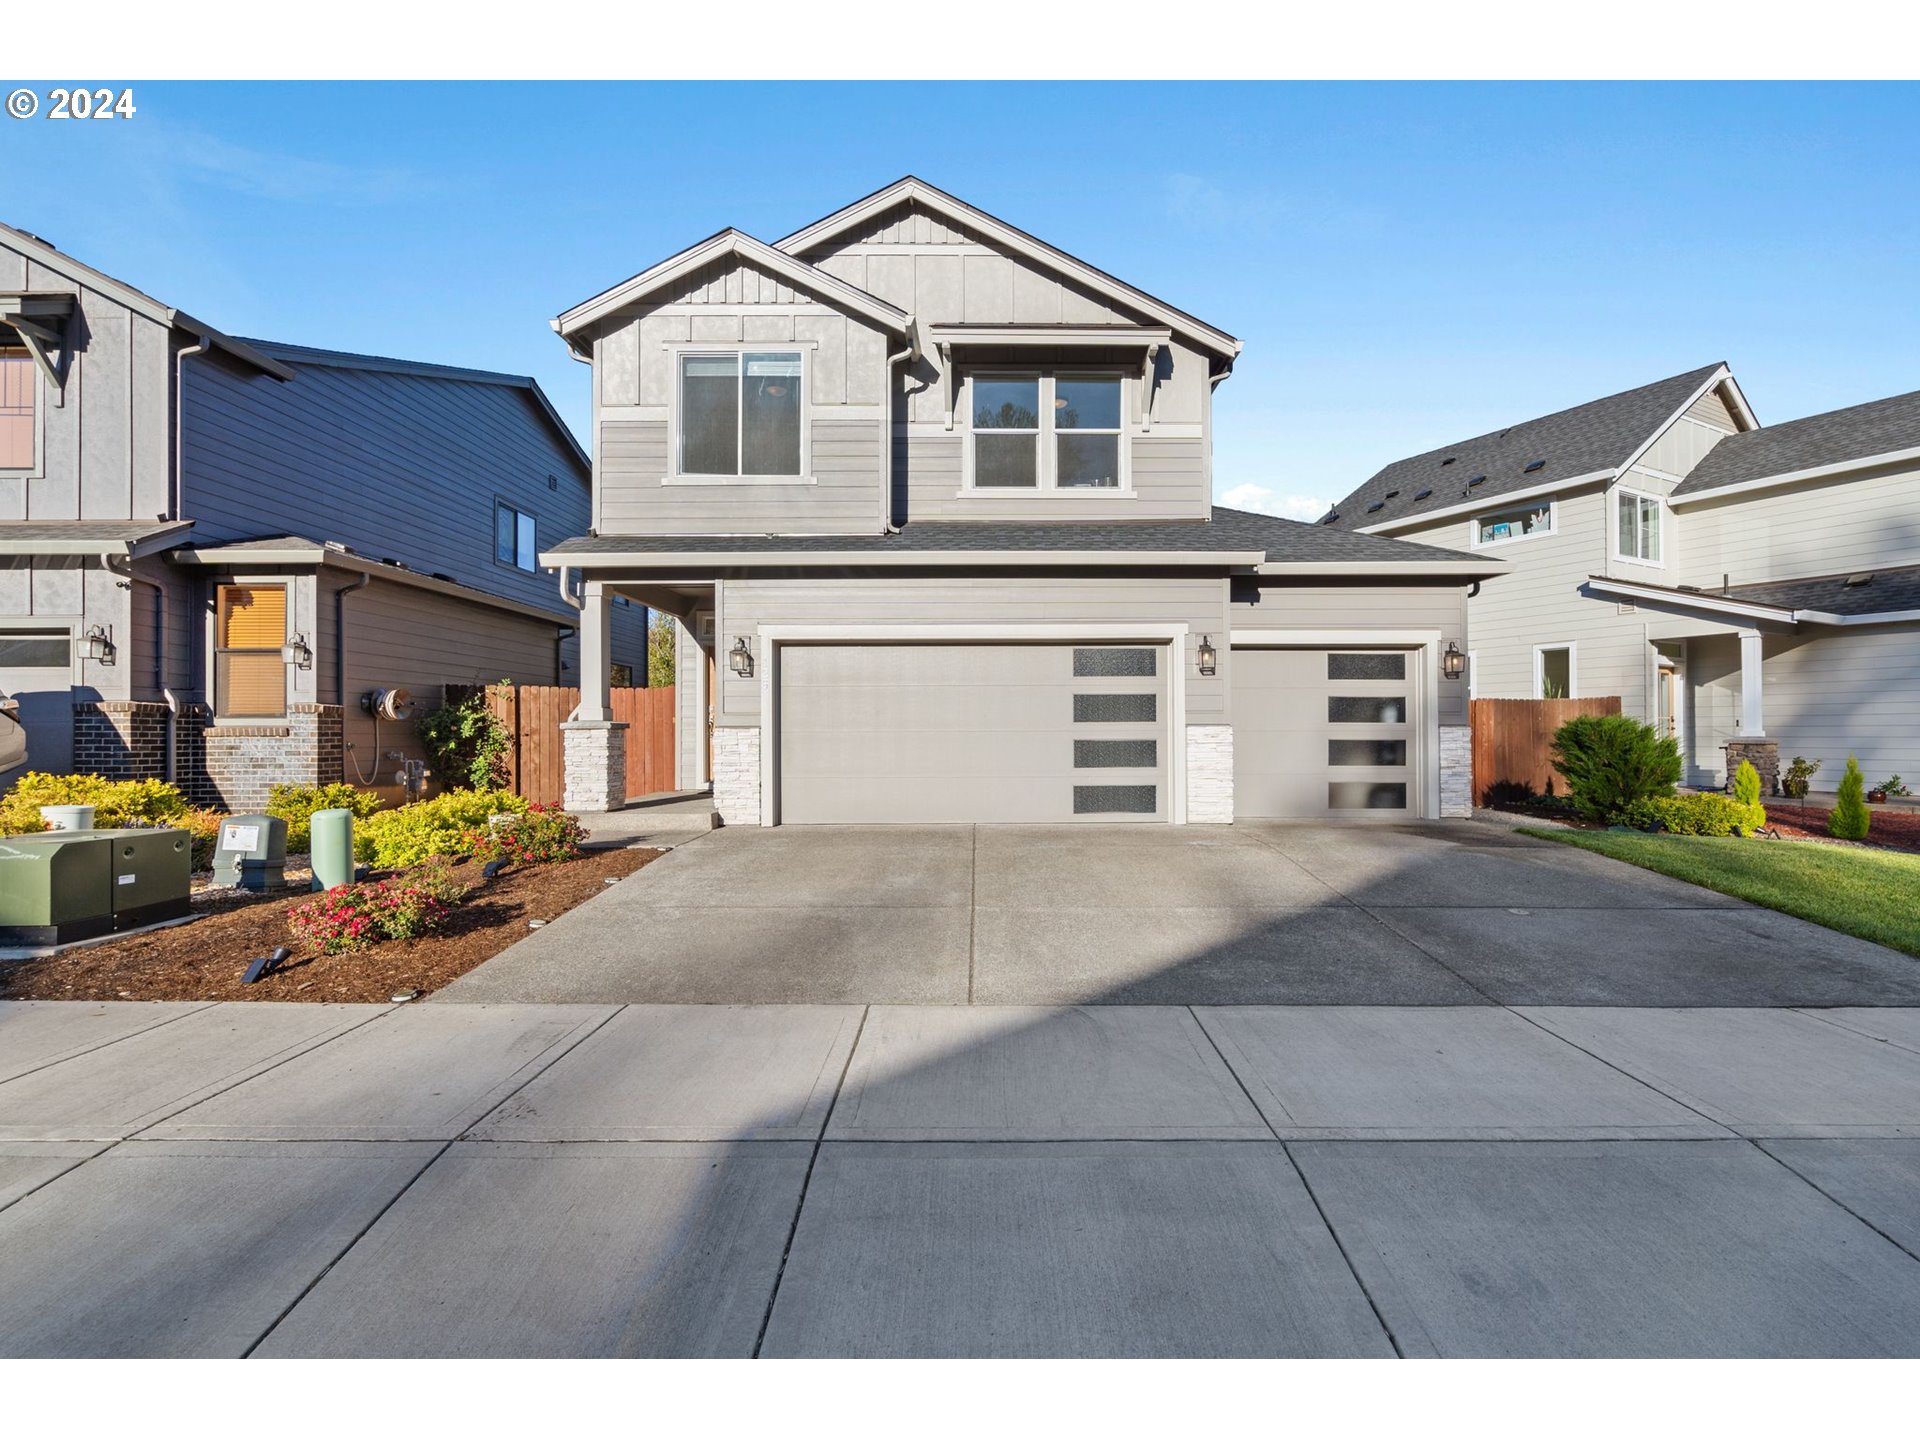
1325 732
972 734
36 671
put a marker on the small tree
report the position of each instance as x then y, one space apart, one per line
1850 819
660 663
1746 792
1611 761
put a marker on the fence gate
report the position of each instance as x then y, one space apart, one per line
536 764
1513 743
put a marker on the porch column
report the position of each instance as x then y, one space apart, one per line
596 655
595 743
1752 718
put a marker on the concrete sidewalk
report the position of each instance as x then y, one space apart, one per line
951 1180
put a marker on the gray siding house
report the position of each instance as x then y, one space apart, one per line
931 502
1753 590
212 549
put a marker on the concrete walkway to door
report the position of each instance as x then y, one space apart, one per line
1453 913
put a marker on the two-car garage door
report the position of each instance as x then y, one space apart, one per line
972 733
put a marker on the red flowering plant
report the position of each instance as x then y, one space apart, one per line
544 834
352 917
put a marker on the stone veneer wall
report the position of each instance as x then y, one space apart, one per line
1209 774
1764 755
1456 771
736 775
595 762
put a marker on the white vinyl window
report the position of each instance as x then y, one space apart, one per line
1554 675
19 426
1639 527
1520 522
514 541
740 414
1046 430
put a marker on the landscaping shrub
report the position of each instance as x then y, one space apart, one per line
1893 785
1799 777
444 825
1695 815
1610 761
116 803
544 834
1746 790
465 742
204 827
352 917
295 804
1851 819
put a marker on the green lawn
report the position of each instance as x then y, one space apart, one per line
1874 894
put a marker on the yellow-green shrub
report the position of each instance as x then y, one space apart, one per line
295 804
115 802
444 825
1695 815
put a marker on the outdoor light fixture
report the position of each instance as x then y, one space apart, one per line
740 658
1453 664
98 645
1209 657
297 652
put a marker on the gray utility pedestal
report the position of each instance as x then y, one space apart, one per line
252 853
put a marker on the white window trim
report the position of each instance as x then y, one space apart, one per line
38 468
804 349
1473 523
1573 667
1620 494
1473 674
1047 472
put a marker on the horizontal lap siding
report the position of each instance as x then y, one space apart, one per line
1199 603
1818 529
1168 472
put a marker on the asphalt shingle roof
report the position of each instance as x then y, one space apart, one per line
1599 435
1884 591
1281 540
1875 428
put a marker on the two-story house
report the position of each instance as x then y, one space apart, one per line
1752 590
213 551
932 501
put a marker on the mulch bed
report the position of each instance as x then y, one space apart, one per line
205 959
1896 828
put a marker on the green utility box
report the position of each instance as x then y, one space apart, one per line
76 884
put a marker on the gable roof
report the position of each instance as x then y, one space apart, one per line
1233 537
919 192
1838 439
139 301
1587 442
1860 597
347 360
730 242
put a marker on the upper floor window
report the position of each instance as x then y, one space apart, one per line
1046 431
249 675
1499 526
514 537
740 413
16 403
1639 529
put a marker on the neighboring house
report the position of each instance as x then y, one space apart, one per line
1752 590
931 499
212 549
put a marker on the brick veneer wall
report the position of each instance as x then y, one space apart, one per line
120 739
235 766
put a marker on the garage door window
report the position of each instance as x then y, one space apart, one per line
1376 665
35 649
1366 752
1114 800
1366 795
1106 660
1116 754
1367 709
1116 709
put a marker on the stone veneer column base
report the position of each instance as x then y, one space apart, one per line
1209 774
736 775
1763 754
1456 772
596 765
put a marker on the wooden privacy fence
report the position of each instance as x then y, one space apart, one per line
536 764
1513 743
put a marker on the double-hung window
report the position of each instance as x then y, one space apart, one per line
1639 526
249 675
514 540
740 414
1045 431
17 423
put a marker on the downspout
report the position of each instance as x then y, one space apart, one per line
340 640
912 352
129 579
177 500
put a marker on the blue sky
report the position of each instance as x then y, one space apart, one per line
1406 264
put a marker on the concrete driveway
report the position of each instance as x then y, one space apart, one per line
1459 913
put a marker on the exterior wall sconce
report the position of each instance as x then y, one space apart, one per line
1453 664
739 658
98 645
298 653
1209 657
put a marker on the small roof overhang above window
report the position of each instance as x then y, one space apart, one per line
40 319
1150 340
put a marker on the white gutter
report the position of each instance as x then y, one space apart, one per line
1462 569
896 559
129 579
912 352
1688 600
1500 498
1883 617
1795 477
177 500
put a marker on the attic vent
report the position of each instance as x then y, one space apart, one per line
1391 495
553 482
1853 580
1376 505
1422 495
1476 480
1534 465
1331 518
1449 460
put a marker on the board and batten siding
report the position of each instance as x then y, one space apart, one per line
1281 607
1866 521
1198 602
